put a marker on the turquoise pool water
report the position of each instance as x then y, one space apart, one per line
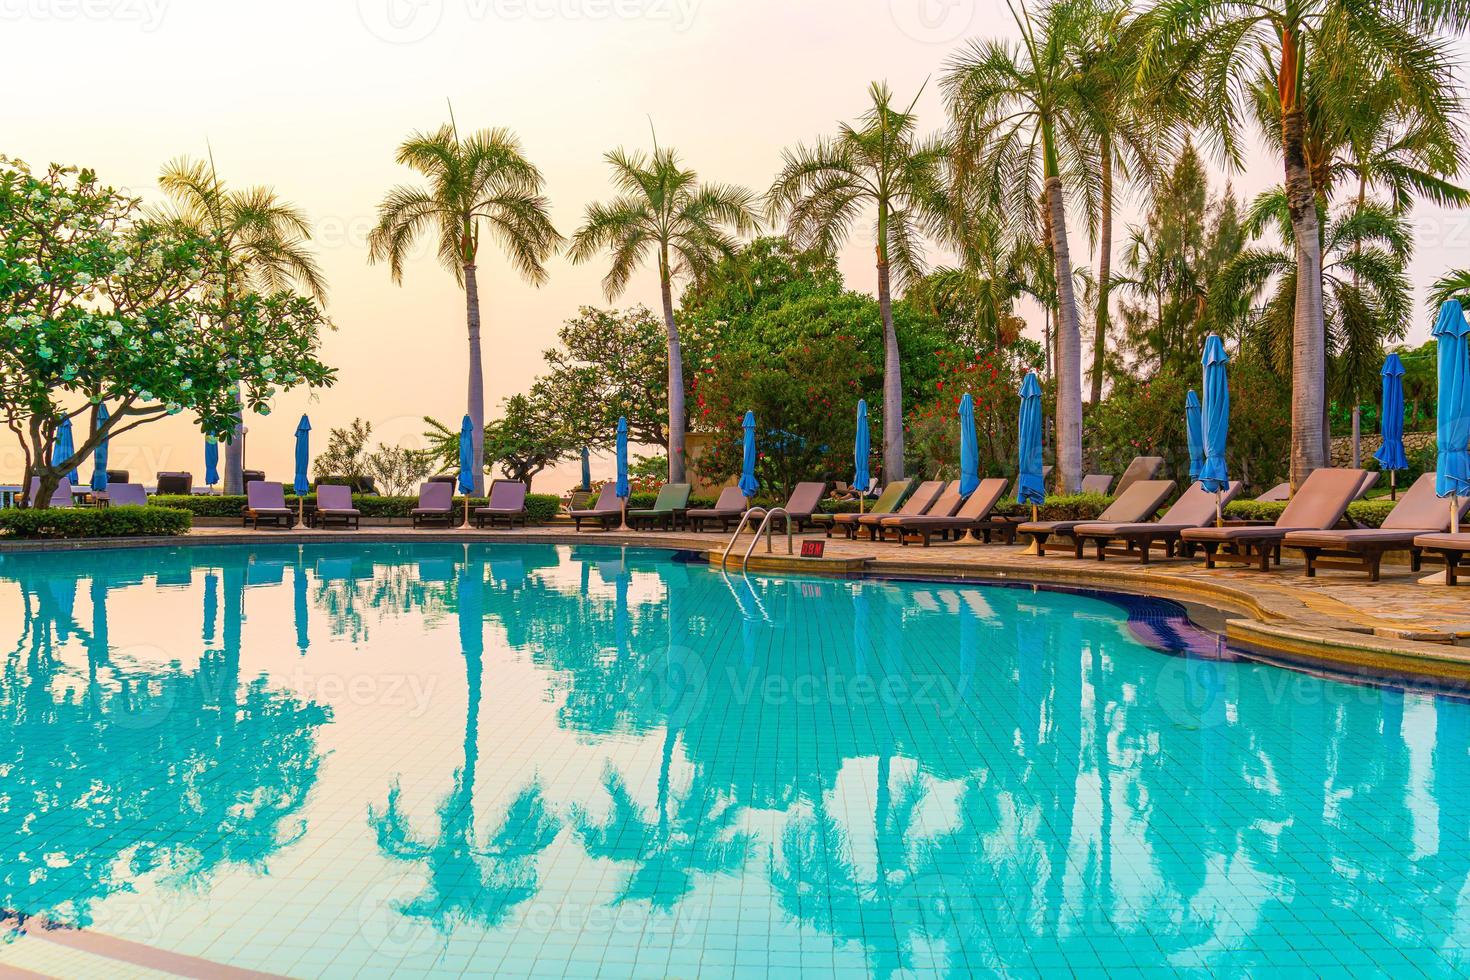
552 761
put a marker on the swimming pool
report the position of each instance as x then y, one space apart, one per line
575 761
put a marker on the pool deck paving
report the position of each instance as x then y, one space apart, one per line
1338 619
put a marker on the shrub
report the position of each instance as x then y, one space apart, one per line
93 522
1369 513
1062 507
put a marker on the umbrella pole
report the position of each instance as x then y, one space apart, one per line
466 525
1393 484
1033 548
301 510
1219 511
624 526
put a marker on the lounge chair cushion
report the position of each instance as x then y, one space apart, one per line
1444 542
731 503
1097 483
977 507
1195 508
1139 502
126 495
335 501
1317 506
607 503
435 497
1141 468
506 497
918 503
266 498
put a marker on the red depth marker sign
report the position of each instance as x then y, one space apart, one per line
813 549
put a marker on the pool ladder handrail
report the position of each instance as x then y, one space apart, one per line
765 526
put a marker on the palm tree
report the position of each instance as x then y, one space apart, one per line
262 247
1221 48
1367 301
1023 129
880 165
663 211
1130 124
480 182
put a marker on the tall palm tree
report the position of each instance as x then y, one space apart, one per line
476 183
1021 114
878 165
263 246
663 212
1132 126
1365 251
1220 49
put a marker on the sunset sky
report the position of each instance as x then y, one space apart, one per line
313 97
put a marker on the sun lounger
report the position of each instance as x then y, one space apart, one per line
726 511
1097 483
334 505
126 495
1418 513
1138 503
886 503
973 514
1278 494
436 504
266 503
667 509
118 476
1318 505
607 511
1139 469
800 506
946 505
918 503
1369 482
507 504
175 484
61 497
1452 548
1196 508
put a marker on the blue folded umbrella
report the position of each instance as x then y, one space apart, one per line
211 461
969 448
1031 483
99 456
1391 454
64 449
624 490
302 482
862 448
1452 469
748 483
1216 424
1194 429
466 456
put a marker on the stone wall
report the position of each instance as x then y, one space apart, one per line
1342 447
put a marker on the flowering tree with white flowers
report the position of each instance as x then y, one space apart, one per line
100 305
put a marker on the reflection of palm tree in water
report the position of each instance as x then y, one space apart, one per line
469 881
145 776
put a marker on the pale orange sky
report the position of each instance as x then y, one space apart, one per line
312 98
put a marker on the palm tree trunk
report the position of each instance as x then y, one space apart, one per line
892 382
677 422
1104 271
1069 349
476 407
1309 342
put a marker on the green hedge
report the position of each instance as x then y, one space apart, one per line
1060 507
540 507
93 522
1369 513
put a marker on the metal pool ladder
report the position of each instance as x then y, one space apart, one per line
764 526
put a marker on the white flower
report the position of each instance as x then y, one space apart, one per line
115 327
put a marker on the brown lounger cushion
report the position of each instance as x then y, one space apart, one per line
1418 512
607 504
1195 508
1138 503
918 503
1141 468
977 507
1444 542
1317 506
